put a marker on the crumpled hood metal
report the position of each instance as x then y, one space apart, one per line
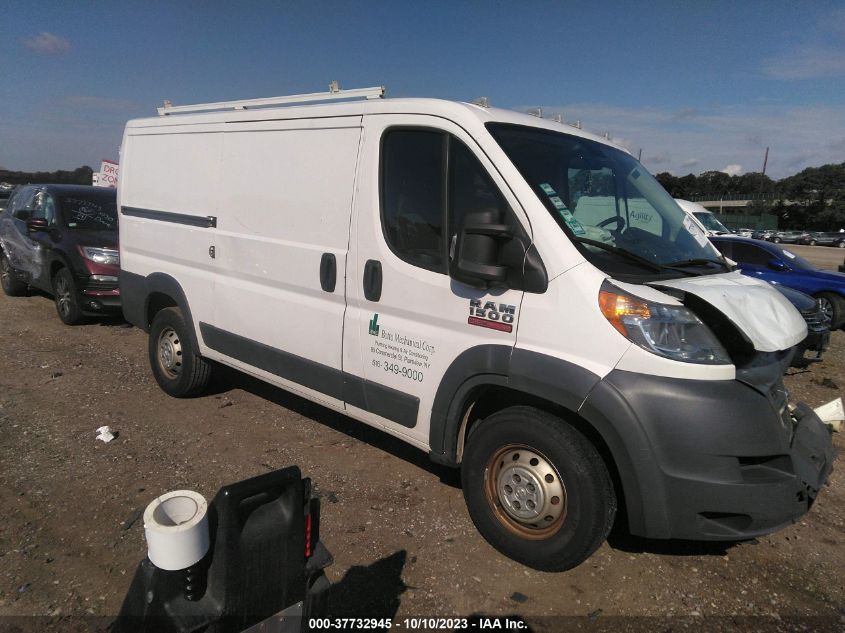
763 314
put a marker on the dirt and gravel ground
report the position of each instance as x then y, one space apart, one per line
403 543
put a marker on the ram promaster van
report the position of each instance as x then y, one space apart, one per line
514 296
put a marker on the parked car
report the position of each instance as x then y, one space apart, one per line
387 270
779 265
818 326
787 237
707 219
762 234
832 238
743 232
62 239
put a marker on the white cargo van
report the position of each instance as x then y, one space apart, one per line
706 219
516 297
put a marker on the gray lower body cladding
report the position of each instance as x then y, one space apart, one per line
711 460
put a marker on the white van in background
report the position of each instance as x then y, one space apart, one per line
704 217
515 296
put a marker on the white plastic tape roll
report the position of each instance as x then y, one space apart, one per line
176 529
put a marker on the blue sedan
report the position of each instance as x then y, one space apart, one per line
779 265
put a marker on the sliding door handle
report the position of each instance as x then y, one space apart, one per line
328 272
372 280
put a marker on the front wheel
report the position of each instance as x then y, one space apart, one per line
67 300
833 308
777 240
537 489
179 370
841 244
812 242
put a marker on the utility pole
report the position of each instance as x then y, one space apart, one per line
765 161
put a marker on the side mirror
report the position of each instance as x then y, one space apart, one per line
488 252
36 224
776 264
476 256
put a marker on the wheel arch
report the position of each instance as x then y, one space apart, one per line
143 297
559 387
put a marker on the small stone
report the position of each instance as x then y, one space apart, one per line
24 587
519 597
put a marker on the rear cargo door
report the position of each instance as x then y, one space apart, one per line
281 247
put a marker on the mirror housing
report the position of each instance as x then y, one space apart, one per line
489 253
36 224
777 264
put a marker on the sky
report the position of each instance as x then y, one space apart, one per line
694 86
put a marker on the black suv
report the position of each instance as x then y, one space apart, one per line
62 239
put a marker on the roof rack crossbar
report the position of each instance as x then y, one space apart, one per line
335 94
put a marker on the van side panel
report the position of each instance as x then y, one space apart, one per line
177 176
285 210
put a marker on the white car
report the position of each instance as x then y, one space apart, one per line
708 221
514 296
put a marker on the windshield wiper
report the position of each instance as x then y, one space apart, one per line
642 261
701 261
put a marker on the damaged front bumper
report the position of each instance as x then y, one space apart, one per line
713 460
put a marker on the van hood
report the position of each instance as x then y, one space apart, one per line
763 314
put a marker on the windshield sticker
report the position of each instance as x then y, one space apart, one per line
557 202
789 254
547 189
694 230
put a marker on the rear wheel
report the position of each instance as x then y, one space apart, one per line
12 286
812 242
67 301
179 370
841 244
833 307
537 489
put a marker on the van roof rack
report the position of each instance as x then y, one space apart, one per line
334 94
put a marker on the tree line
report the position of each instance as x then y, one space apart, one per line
79 176
814 198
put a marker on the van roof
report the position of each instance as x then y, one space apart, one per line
456 111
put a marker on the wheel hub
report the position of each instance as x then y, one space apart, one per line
526 492
170 352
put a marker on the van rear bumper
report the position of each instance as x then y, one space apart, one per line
711 460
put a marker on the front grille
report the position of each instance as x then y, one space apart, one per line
93 284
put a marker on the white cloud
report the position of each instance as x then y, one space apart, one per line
798 136
47 44
732 170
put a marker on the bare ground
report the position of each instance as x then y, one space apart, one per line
70 537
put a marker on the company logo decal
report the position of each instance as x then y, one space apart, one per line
374 328
494 316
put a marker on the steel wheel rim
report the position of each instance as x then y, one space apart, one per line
63 298
525 492
827 308
169 353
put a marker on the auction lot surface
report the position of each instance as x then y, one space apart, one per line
404 546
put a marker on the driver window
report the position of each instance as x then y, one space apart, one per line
39 210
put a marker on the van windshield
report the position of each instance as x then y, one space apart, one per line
710 222
605 201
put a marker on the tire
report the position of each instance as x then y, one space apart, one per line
524 445
834 307
812 242
777 240
178 369
841 244
66 298
11 286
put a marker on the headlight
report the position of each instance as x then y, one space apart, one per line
101 255
666 330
